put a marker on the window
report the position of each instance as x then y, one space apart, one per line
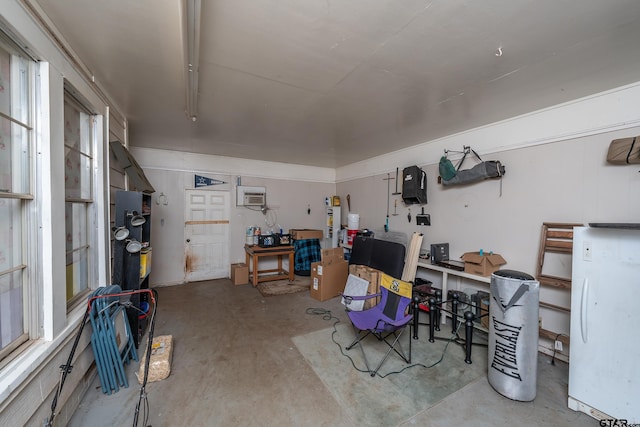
16 196
78 150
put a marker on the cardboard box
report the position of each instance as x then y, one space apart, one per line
303 234
329 276
239 273
372 276
482 265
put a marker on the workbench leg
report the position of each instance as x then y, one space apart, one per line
255 270
247 260
291 267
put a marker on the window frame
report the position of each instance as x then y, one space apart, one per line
51 324
90 204
28 122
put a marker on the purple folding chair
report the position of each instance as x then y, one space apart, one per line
386 321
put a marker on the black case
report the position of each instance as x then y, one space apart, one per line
414 186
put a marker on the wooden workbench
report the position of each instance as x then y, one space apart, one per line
253 253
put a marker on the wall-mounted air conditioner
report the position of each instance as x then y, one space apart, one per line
251 196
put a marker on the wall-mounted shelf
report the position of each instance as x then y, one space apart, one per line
127 271
556 238
332 226
445 277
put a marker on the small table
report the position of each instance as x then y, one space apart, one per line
253 253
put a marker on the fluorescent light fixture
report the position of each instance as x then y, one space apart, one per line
192 57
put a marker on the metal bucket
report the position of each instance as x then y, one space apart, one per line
513 334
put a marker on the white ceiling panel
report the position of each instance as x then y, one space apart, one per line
281 43
330 82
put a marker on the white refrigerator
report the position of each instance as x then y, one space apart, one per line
604 355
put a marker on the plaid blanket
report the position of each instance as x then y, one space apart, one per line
306 252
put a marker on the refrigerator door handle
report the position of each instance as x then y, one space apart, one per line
583 309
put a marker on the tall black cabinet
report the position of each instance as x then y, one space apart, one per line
131 267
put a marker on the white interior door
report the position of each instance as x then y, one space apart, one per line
206 232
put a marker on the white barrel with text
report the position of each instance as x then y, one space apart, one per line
513 334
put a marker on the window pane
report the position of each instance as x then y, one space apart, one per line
11 308
10 234
15 175
71 126
85 178
12 324
77 272
72 174
77 128
77 175
14 151
78 141
5 82
76 225
5 155
77 248
14 85
78 160
85 134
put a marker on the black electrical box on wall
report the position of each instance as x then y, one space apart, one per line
414 186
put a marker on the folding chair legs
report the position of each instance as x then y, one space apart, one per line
357 341
392 346
399 351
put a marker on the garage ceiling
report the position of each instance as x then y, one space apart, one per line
332 82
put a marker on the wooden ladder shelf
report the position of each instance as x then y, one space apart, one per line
555 238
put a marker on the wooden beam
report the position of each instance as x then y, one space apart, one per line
558 234
554 307
556 282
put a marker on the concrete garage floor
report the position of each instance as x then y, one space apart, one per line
235 364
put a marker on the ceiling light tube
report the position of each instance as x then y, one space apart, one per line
192 57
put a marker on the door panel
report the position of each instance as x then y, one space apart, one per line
206 235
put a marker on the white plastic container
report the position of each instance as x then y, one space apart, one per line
353 221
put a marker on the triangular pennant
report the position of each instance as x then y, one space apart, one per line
203 181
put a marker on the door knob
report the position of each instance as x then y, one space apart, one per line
188 240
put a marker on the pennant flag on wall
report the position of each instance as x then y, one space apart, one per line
203 181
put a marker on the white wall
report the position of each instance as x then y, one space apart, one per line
593 115
567 181
555 172
291 190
